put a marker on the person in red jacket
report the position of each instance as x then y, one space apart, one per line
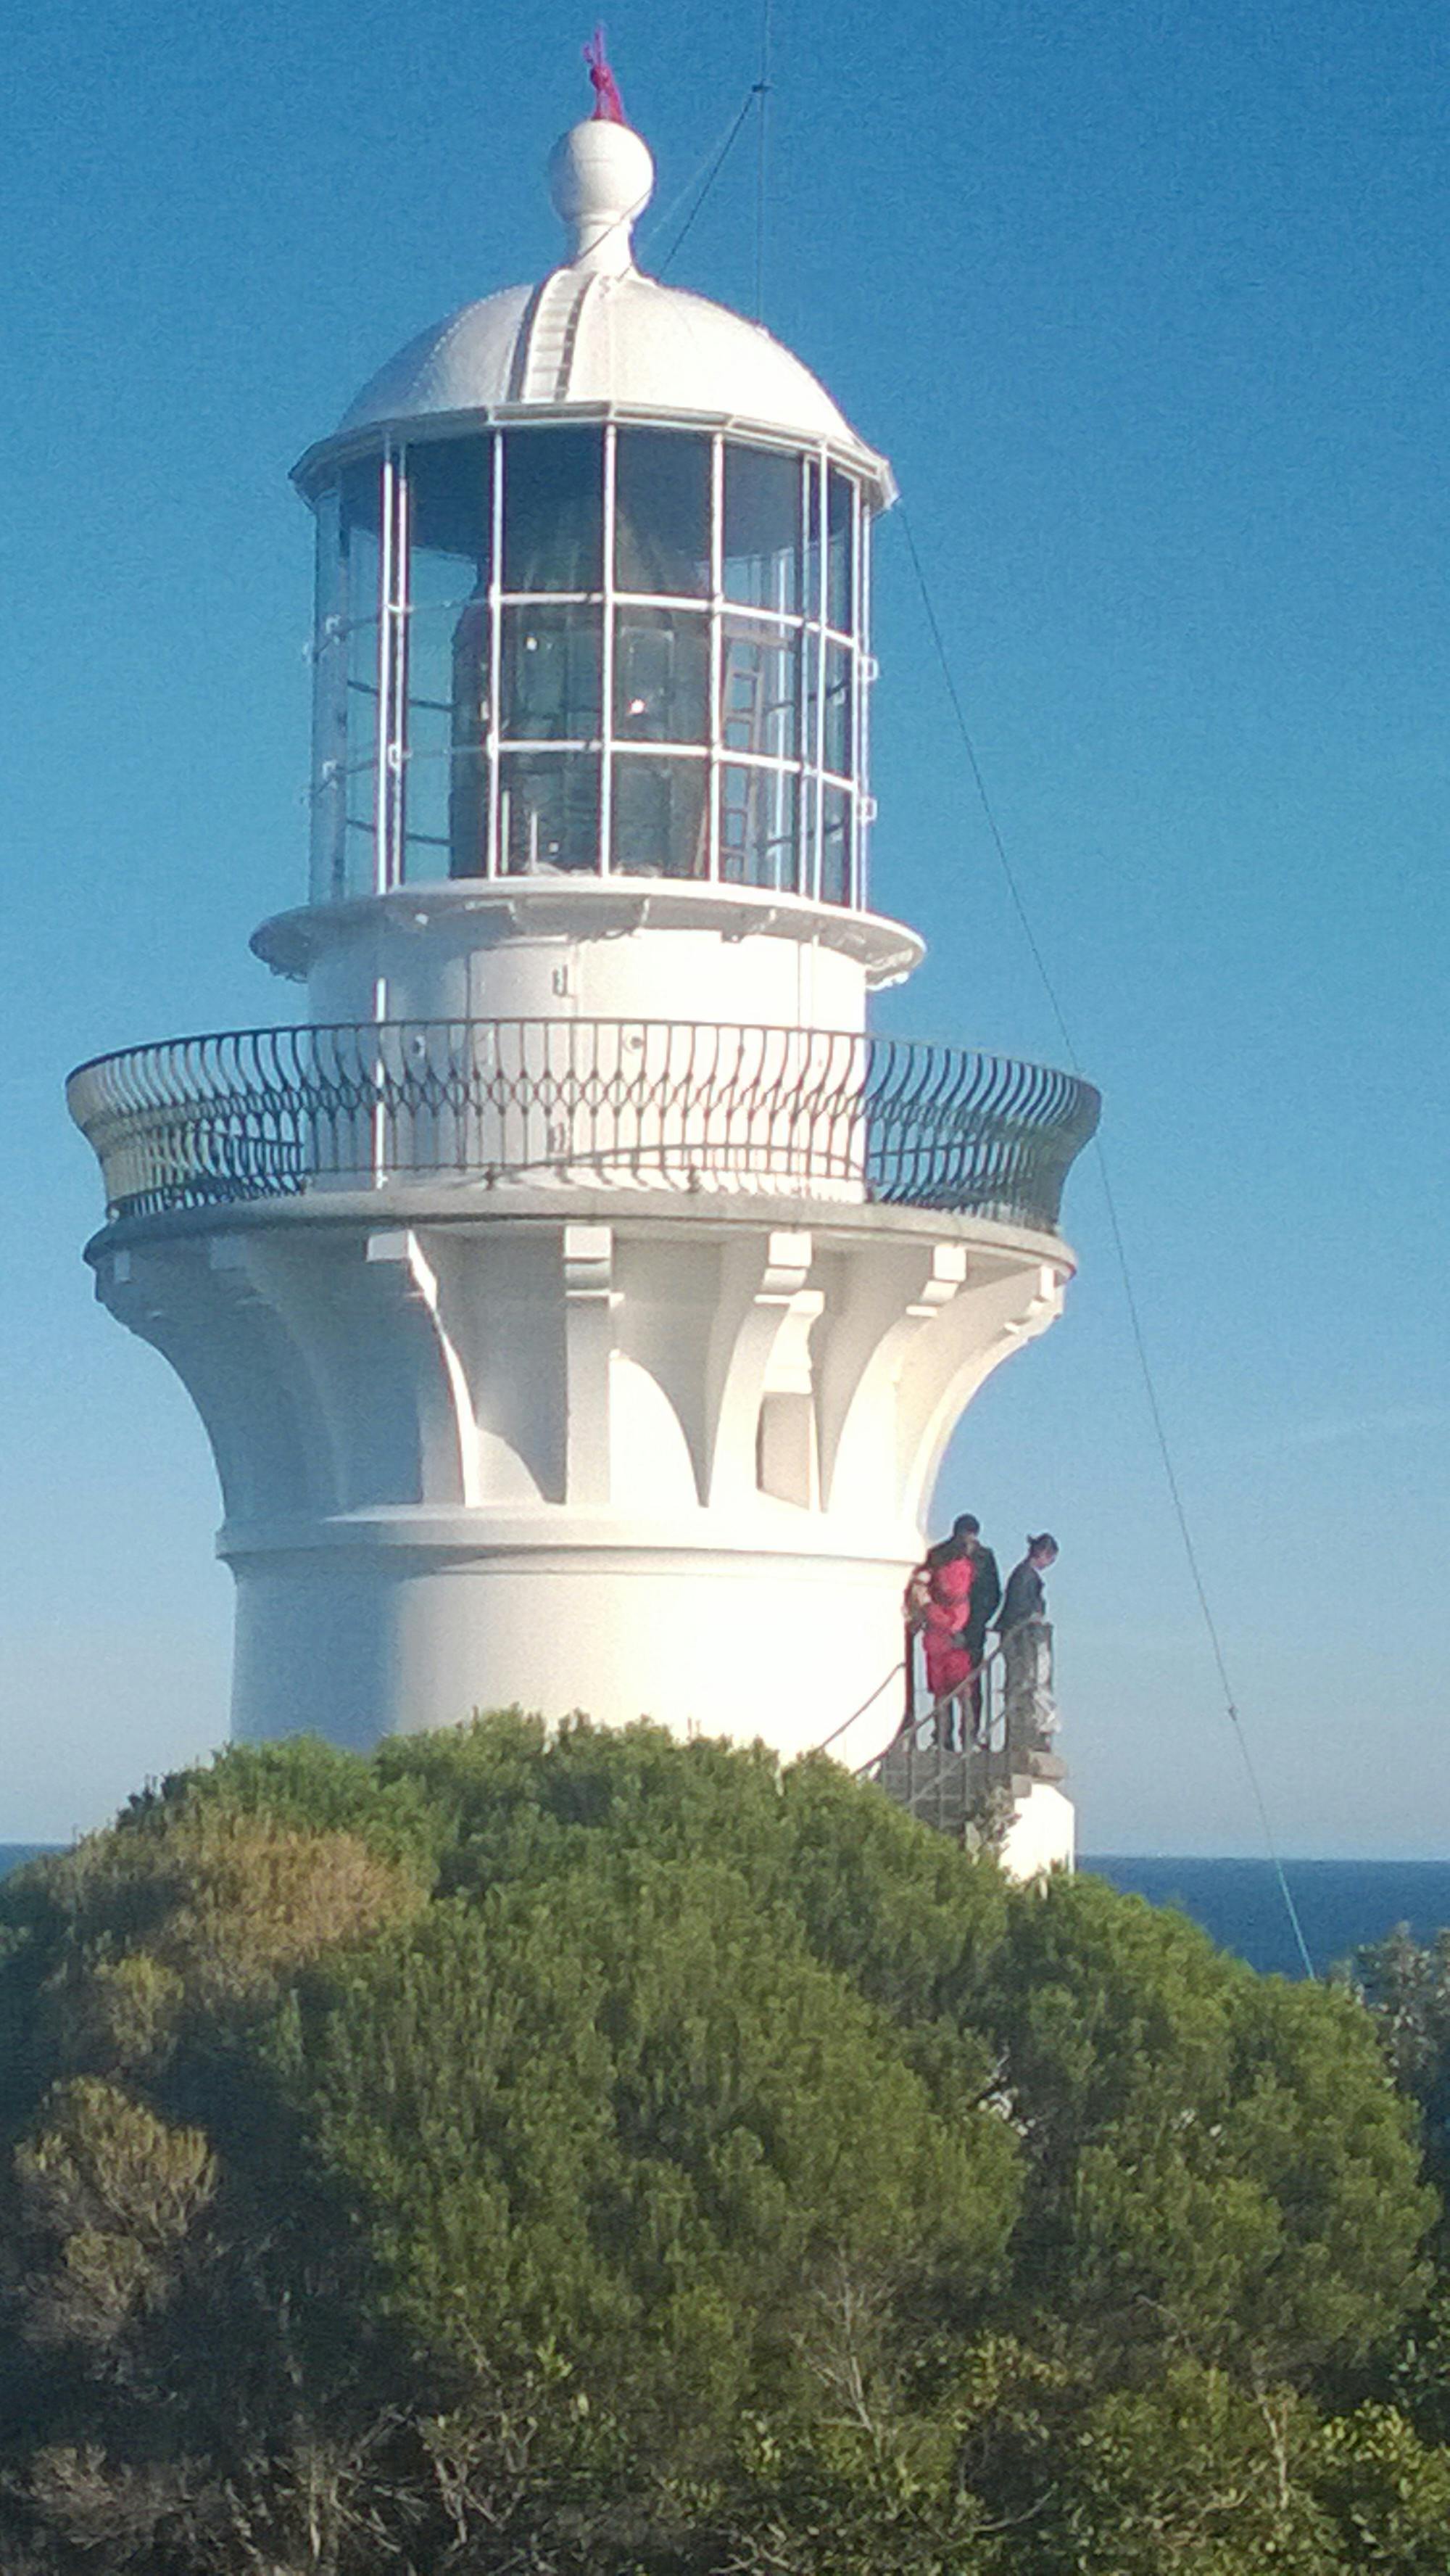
944 1617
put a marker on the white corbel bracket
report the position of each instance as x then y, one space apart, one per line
759 1289
590 1297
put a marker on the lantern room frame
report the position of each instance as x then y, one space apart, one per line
745 766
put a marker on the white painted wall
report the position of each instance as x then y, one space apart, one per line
1042 1835
590 948
443 972
355 1641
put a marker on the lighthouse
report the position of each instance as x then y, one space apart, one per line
577 1296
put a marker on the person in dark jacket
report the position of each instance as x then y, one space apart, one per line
986 1585
1025 1597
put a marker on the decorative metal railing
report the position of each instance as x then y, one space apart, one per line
683 1105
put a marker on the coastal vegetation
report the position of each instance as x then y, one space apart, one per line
515 2155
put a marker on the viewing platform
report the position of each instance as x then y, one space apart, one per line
1001 1787
673 1105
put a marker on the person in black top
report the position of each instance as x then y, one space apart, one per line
986 1585
1024 1597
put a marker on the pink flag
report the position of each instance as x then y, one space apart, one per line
608 105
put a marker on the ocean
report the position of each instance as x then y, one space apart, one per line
1342 1904
13 1855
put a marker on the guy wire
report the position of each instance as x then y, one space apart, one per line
1160 1430
762 158
710 168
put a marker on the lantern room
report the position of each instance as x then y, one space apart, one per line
602 647
593 581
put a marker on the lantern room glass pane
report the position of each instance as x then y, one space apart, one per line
548 812
840 553
661 675
329 706
553 509
758 840
449 645
361 534
658 817
329 600
458 789
348 671
835 845
450 520
838 744
762 531
759 688
551 674
427 849
662 513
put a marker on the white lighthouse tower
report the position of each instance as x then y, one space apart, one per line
578 1300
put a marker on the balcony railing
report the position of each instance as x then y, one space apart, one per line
680 1105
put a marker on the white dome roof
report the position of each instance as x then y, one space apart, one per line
598 335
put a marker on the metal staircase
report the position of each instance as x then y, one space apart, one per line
963 1790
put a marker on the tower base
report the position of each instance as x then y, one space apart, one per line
357 1630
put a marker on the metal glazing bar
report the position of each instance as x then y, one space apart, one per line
606 652
493 865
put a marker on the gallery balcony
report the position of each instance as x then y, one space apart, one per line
663 1105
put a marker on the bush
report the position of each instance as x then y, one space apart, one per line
605 2153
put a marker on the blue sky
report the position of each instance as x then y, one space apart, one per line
1147 307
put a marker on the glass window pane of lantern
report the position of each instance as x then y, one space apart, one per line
553 509
840 553
838 746
445 779
548 812
814 507
662 513
759 688
450 521
465 779
329 705
661 675
758 827
835 845
329 855
360 828
551 674
450 515
359 586
762 534
361 497
658 808
462 741
329 599
427 781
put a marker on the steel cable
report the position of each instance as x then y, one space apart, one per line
712 168
1135 1324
